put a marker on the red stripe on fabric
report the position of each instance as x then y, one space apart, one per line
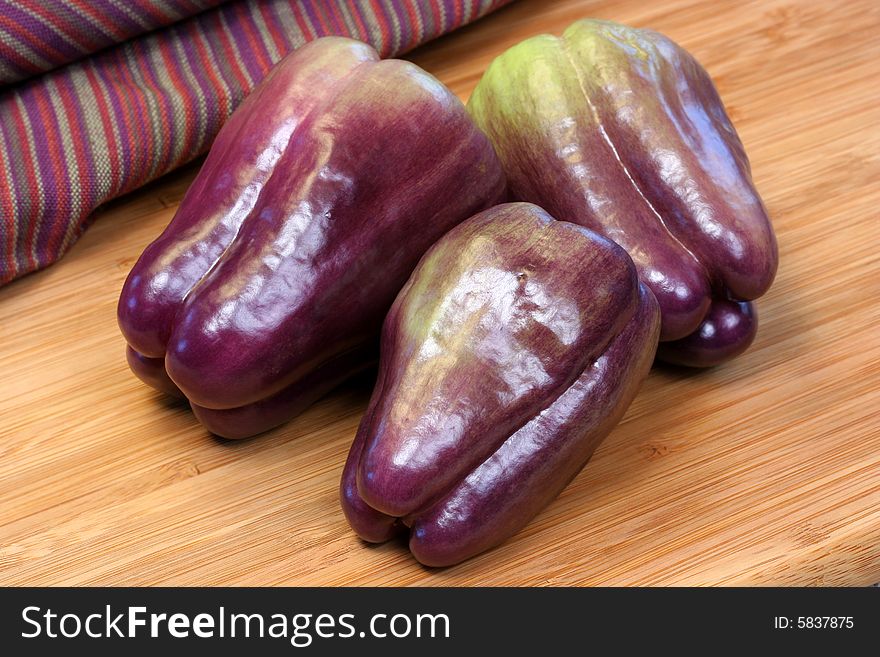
227 77
338 19
414 25
33 186
302 22
105 21
363 32
83 159
229 51
43 105
217 85
107 123
253 36
58 229
272 25
326 28
126 130
141 118
22 66
51 122
155 12
435 14
75 35
165 109
188 132
9 215
383 27
45 49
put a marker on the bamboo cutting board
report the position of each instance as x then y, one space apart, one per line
763 471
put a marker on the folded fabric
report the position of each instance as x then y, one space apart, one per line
39 35
79 135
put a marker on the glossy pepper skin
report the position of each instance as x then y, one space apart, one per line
622 131
312 208
513 350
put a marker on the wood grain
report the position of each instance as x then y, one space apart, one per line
763 471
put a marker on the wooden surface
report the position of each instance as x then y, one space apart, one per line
763 471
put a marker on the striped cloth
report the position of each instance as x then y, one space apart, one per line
39 35
79 135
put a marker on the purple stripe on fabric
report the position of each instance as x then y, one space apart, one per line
37 34
286 35
331 11
186 93
249 59
142 129
407 31
165 104
210 98
84 26
116 106
57 227
309 9
236 36
215 50
448 14
16 70
71 27
18 262
32 99
247 19
79 119
120 18
361 19
147 105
